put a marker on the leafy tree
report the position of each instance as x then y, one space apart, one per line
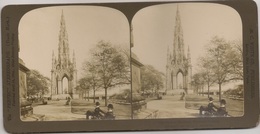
237 60
91 77
37 83
206 72
111 66
198 81
84 86
151 79
222 55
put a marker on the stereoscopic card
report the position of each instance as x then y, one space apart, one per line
130 66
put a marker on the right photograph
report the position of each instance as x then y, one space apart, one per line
187 62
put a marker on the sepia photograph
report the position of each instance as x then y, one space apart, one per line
188 61
130 66
185 62
74 64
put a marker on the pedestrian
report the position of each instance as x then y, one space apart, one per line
68 100
182 96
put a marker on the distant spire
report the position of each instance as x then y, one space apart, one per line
53 60
178 20
178 43
63 31
62 18
168 56
63 50
53 57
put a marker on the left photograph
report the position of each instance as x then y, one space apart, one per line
74 64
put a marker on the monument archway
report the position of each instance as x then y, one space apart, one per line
65 85
180 80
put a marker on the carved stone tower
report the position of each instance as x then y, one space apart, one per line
178 61
63 67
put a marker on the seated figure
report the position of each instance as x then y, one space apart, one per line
222 109
96 114
210 109
109 115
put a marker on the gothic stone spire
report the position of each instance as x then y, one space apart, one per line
178 43
63 66
63 52
180 61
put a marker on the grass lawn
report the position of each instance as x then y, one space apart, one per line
235 108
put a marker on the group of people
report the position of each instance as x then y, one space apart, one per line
100 114
213 110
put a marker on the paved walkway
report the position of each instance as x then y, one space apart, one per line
168 107
57 110
172 107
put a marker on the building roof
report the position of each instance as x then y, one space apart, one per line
22 66
135 60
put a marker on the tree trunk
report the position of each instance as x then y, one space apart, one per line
202 90
94 96
105 96
88 95
208 89
85 95
219 84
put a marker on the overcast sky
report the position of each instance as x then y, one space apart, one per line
154 29
86 26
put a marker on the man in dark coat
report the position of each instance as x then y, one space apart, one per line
222 109
98 113
109 115
210 108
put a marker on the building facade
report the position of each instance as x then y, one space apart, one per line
23 70
136 73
